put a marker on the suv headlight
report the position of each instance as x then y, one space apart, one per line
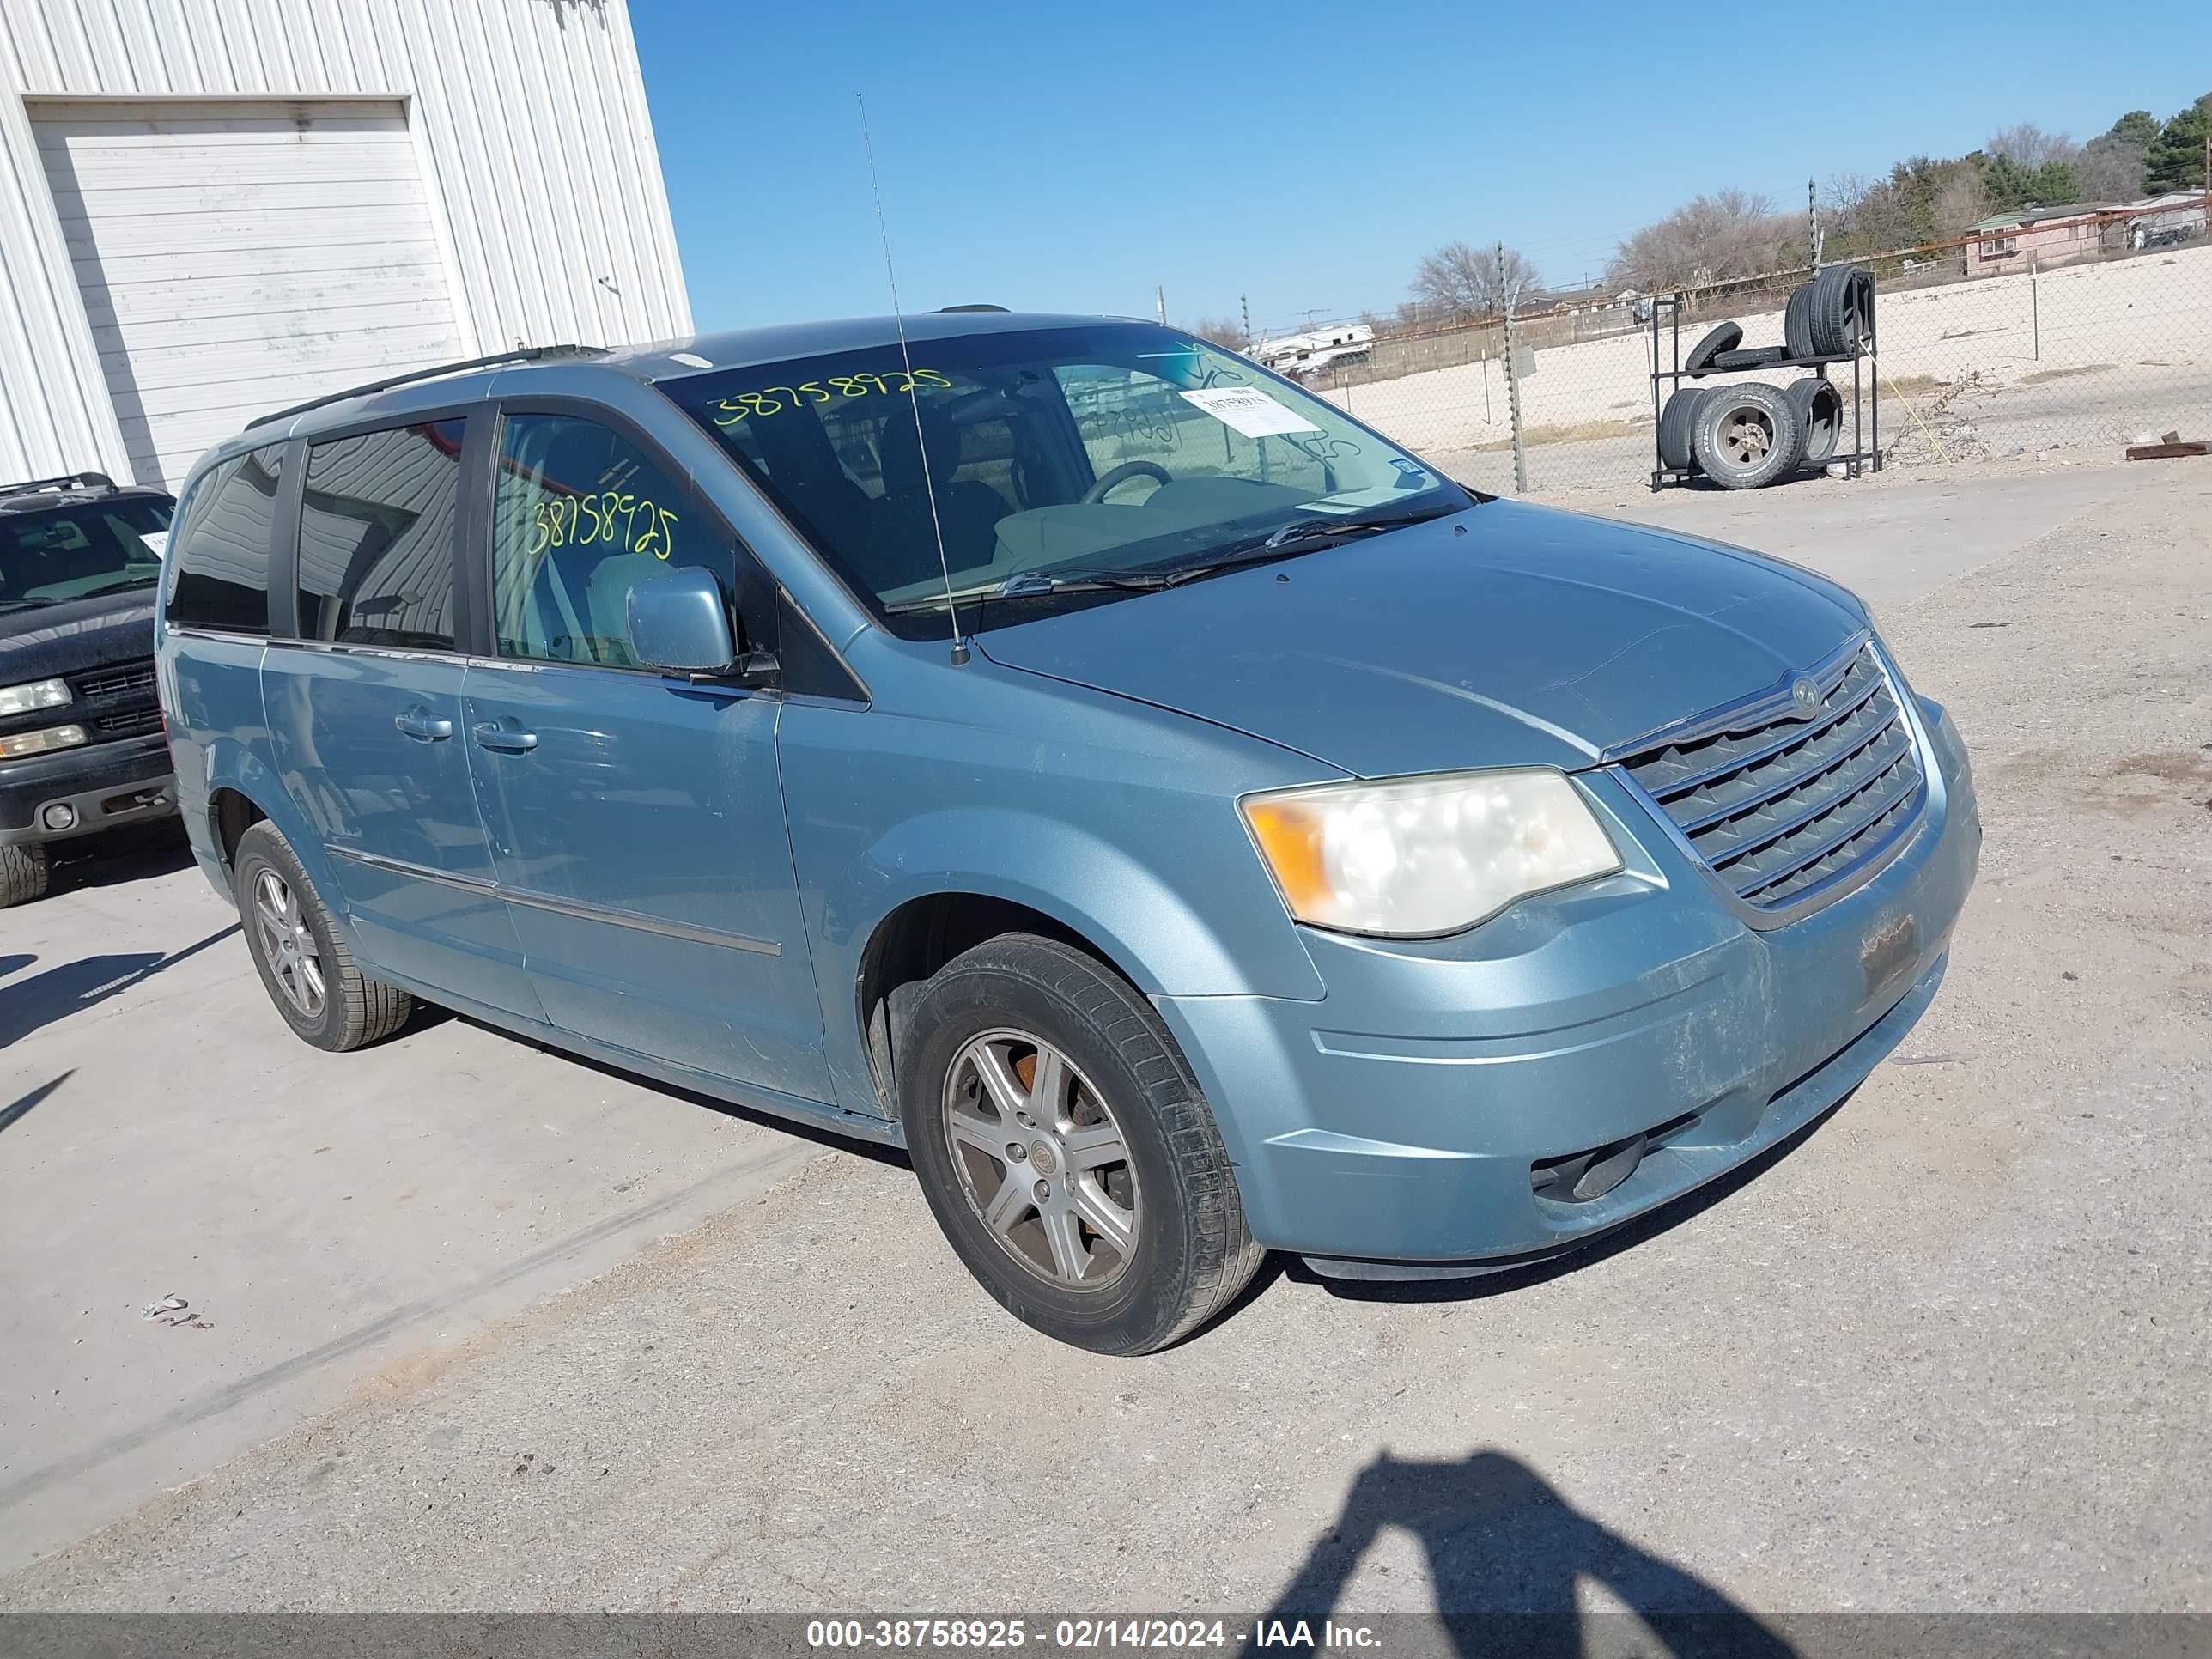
1424 856
35 694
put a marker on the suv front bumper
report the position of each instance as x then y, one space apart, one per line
102 784
1401 1125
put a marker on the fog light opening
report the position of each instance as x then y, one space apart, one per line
1591 1175
60 816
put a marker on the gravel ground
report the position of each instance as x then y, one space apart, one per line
1945 1353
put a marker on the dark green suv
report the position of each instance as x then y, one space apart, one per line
81 741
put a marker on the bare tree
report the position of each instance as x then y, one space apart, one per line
2031 147
1960 200
1222 331
1713 238
1460 280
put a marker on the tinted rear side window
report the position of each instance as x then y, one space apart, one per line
220 554
376 537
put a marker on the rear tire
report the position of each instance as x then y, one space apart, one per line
1060 1137
305 966
1747 435
24 872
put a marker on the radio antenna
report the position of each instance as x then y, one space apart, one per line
906 359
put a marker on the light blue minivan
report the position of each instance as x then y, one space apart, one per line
1188 823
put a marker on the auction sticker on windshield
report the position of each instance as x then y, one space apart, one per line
1251 412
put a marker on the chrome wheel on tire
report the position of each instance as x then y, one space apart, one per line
1042 1160
290 945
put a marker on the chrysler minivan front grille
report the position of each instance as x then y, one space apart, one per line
1786 806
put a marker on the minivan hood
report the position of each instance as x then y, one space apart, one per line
1508 634
79 634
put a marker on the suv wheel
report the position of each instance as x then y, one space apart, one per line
309 973
24 871
1067 1152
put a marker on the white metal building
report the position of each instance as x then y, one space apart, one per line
210 208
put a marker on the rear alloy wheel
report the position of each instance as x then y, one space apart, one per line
1066 1149
1747 435
304 964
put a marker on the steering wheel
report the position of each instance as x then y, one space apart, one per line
1121 475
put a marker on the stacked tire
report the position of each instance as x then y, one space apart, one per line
1751 435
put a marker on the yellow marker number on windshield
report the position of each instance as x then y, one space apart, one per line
774 399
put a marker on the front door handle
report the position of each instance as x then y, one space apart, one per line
505 737
420 723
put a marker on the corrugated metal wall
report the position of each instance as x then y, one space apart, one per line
536 141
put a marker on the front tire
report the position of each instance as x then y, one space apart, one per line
24 872
1066 1149
305 966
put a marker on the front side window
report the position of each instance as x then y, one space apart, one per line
377 526
581 515
1114 454
52 556
220 553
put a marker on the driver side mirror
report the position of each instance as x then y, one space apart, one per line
680 624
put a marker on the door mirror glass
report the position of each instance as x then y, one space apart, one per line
679 623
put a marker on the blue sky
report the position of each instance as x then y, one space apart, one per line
1067 158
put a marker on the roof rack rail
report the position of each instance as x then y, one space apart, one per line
946 311
67 481
520 354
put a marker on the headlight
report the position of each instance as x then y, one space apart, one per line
37 742
1429 855
38 694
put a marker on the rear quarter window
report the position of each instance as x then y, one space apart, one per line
219 551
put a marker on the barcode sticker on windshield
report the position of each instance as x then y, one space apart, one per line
1251 412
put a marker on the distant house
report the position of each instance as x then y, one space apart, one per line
2043 236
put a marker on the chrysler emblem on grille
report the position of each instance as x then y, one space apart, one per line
1805 695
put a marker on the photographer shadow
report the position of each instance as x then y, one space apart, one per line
1506 1552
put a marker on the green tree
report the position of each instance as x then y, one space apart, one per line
2175 159
2009 185
2137 127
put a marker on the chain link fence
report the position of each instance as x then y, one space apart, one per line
2088 334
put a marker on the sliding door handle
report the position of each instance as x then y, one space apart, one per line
505 737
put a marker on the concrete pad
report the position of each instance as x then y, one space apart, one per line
324 1214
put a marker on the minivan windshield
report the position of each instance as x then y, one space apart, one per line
50 555
1103 460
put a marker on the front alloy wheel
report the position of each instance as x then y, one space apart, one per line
1042 1163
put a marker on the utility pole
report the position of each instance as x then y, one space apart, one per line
1160 304
1812 228
1244 309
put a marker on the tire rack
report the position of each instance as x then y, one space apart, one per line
1865 453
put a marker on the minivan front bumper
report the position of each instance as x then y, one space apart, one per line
1404 1124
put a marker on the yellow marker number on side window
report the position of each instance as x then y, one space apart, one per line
635 523
774 399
